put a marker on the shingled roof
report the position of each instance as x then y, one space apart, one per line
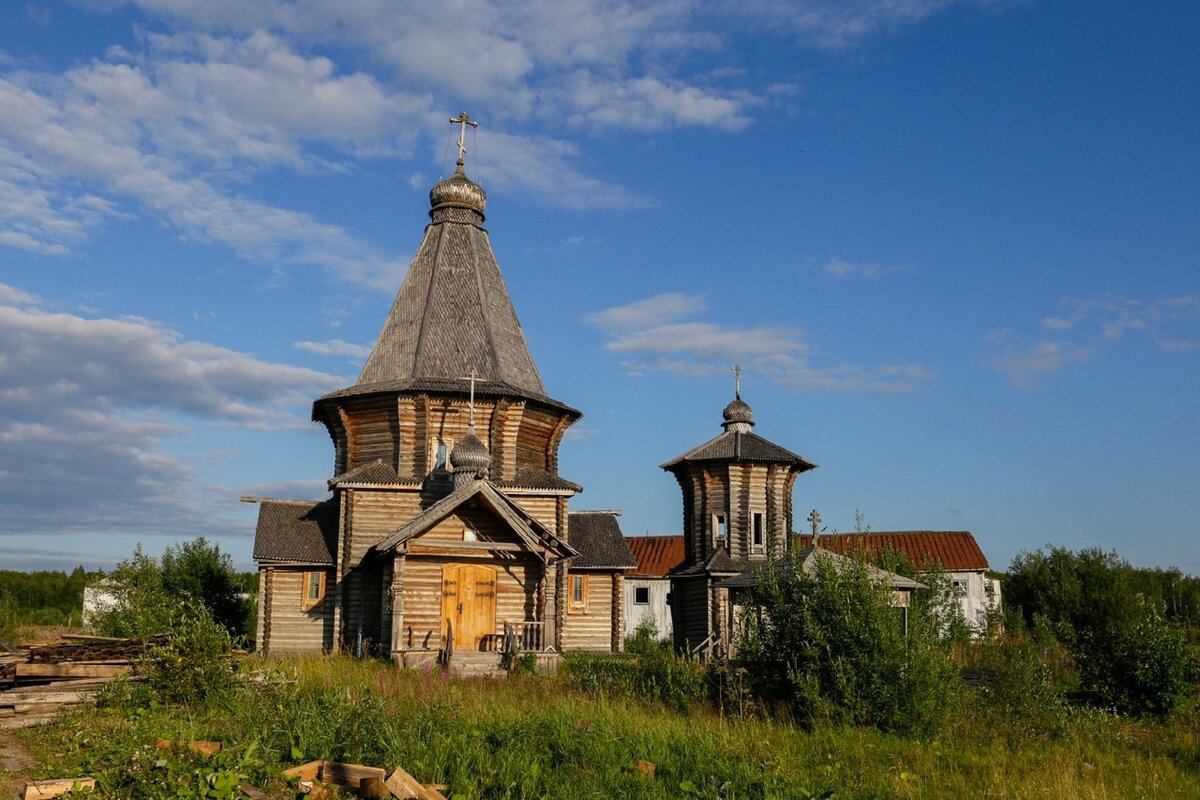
734 445
452 315
296 532
528 529
807 560
597 537
954 550
655 555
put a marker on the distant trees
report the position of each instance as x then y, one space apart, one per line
194 579
40 598
1124 627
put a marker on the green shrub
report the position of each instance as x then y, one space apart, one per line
1141 666
194 664
830 644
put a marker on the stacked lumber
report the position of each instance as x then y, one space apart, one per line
38 684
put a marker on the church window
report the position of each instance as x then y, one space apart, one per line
756 540
579 592
313 589
641 595
720 530
443 449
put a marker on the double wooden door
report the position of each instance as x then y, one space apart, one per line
469 605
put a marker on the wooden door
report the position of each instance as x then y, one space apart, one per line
469 604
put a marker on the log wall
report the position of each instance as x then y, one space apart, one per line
287 627
591 628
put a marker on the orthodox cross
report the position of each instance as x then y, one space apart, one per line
472 378
737 379
815 519
463 120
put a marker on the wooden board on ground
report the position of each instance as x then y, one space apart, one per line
349 775
406 787
36 790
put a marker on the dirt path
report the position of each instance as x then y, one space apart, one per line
16 764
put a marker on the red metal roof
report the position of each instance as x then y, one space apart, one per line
954 550
655 555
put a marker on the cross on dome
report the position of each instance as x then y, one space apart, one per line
463 120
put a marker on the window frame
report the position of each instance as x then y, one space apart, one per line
758 533
581 605
720 529
307 601
645 592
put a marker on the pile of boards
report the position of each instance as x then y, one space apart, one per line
38 683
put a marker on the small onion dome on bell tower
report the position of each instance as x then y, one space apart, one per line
470 459
738 415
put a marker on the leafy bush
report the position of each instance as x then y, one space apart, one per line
1143 666
152 599
194 664
830 644
645 639
1131 658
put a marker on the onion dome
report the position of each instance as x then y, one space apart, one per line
738 416
457 198
470 457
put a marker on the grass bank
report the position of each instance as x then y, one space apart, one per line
536 737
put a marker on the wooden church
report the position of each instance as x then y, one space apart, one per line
448 531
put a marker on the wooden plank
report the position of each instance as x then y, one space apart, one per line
15 698
406 787
252 793
71 670
349 775
309 771
35 790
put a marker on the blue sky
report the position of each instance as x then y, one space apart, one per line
954 244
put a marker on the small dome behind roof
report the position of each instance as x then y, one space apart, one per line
470 456
738 416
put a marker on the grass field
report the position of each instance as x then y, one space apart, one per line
539 737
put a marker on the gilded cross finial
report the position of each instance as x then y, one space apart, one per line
463 120
471 398
737 380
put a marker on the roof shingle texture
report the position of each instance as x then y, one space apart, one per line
736 446
655 555
296 532
453 316
954 550
597 537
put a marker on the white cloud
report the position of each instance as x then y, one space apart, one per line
1023 367
656 327
841 268
336 347
88 405
1086 326
657 310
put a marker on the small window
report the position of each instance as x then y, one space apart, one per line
641 595
443 448
960 588
313 590
470 535
579 592
757 534
720 531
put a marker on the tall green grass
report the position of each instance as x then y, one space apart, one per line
534 736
